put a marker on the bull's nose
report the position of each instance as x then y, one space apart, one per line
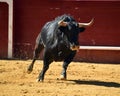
75 47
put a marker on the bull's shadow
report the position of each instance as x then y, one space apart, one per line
97 83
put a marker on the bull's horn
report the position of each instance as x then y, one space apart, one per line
62 23
86 24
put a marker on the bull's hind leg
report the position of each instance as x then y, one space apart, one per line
36 53
42 74
47 60
67 61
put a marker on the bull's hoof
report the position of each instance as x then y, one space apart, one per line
30 69
39 80
62 77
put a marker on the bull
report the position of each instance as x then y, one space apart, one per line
59 38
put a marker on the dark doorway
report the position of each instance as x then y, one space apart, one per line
3 30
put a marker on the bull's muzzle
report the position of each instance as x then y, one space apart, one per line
74 48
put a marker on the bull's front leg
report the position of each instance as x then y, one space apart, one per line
65 65
64 74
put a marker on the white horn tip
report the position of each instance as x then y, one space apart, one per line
62 23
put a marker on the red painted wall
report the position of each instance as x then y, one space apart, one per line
30 16
3 30
104 56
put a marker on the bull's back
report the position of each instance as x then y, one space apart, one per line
47 32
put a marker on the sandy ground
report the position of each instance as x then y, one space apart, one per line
84 79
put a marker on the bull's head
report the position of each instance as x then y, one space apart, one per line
72 30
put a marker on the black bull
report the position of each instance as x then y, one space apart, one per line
59 38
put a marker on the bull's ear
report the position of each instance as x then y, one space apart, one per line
62 23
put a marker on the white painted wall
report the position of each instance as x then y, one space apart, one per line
10 27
